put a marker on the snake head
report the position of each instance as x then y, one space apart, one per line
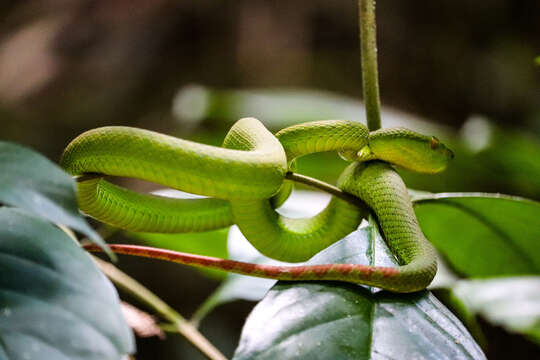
437 146
410 150
425 155
441 152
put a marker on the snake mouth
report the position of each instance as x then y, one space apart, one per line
88 176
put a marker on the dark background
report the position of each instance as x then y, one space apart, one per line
68 66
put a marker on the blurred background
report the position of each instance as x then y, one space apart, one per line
461 70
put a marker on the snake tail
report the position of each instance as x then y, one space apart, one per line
383 190
354 273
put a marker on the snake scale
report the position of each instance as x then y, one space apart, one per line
245 181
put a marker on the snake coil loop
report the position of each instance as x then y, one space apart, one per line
245 181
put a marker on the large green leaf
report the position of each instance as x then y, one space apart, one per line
482 234
55 303
332 320
32 182
490 235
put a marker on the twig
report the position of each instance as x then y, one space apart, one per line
321 185
183 326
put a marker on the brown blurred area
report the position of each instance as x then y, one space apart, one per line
67 66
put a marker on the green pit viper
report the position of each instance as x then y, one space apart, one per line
245 181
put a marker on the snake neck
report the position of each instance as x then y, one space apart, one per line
320 136
383 190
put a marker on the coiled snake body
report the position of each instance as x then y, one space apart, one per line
245 181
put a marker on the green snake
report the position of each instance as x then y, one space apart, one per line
245 181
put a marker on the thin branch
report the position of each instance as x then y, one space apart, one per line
321 185
183 326
208 305
370 75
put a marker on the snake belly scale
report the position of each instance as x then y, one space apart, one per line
245 180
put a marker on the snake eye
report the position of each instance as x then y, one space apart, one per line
434 143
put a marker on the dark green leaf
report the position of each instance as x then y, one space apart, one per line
30 181
55 304
482 234
332 320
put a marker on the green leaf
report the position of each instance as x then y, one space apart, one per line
332 320
32 182
55 304
504 231
480 234
513 302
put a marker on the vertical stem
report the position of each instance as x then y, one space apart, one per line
370 76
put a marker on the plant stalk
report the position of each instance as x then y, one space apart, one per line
321 185
182 326
370 75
